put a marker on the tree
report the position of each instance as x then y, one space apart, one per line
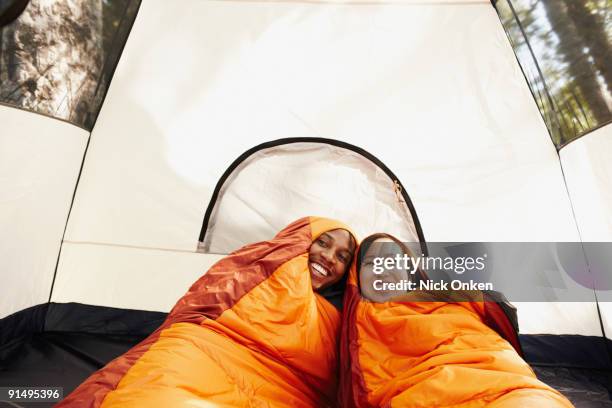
563 47
573 50
589 23
51 58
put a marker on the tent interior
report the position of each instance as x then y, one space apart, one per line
219 129
317 177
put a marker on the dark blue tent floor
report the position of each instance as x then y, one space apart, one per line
60 359
585 388
65 359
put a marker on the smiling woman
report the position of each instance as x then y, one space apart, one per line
329 258
250 332
397 349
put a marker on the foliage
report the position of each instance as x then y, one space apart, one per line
564 48
54 59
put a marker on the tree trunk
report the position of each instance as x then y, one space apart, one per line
51 58
579 71
592 30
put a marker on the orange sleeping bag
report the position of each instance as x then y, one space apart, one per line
250 332
408 353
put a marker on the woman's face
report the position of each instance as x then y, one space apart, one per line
329 257
384 248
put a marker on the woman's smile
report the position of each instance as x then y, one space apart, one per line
329 257
319 269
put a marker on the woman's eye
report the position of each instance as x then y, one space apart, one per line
343 258
322 243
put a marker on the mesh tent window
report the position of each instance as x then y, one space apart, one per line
57 59
275 183
564 48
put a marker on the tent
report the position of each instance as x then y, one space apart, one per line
226 120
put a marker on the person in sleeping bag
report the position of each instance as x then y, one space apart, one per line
422 349
251 332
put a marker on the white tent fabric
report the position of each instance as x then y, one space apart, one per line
40 160
285 182
558 318
128 278
448 111
587 164
441 110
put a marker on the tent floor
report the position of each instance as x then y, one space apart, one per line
60 359
65 359
585 388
